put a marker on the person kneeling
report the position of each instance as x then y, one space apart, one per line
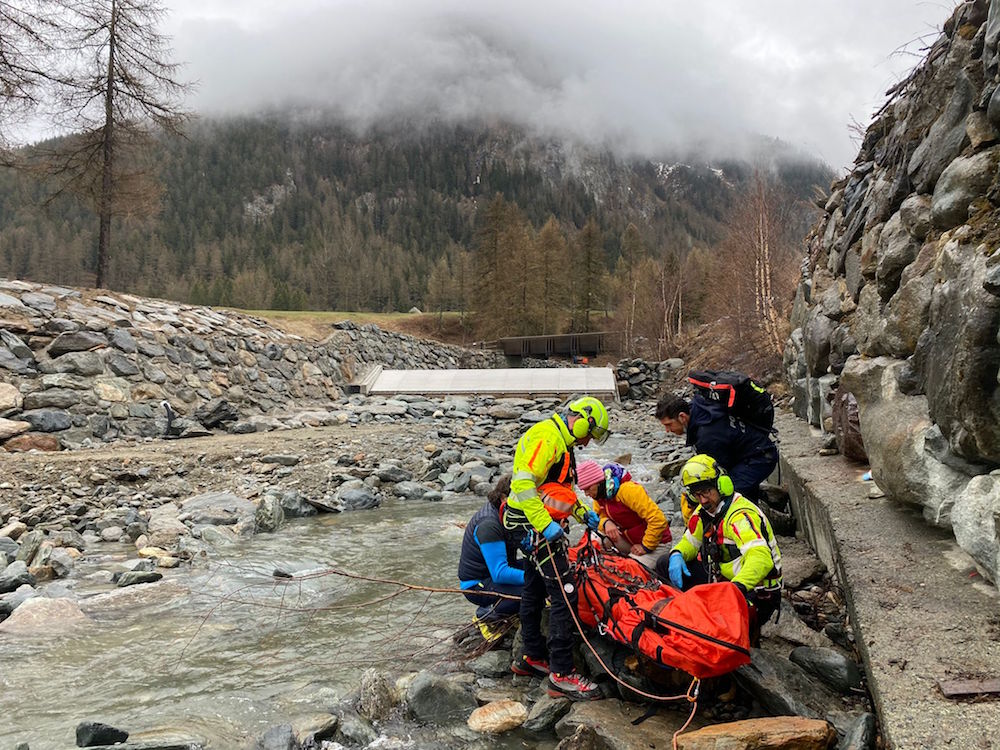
629 518
489 565
734 538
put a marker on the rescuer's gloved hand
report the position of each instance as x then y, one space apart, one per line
553 532
592 520
743 589
678 569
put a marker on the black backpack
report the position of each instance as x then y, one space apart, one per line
744 398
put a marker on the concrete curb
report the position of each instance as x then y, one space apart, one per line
920 611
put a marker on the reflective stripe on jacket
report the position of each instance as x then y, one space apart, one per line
742 546
559 500
635 513
544 450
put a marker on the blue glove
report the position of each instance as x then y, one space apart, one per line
592 520
526 544
552 532
678 569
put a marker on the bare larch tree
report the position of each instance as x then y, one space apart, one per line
121 88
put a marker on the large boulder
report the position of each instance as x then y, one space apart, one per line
772 733
896 429
433 699
976 521
960 355
40 616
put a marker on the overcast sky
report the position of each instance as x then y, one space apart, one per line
647 76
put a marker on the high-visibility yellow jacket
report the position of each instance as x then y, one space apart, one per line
543 454
636 515
740 547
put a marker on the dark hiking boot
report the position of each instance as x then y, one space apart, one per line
574 686
529 667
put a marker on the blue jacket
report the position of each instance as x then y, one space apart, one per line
712 430
489 551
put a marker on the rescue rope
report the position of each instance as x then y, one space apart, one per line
402 584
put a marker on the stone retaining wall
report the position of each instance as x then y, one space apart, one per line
899 304
79 367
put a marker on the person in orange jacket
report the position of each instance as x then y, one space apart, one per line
629 518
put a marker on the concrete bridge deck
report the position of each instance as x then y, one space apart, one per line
523 382
921 612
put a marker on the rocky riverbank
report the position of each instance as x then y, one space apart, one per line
154 512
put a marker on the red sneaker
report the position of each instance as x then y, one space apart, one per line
573 686
529 667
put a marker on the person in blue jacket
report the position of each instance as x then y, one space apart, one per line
746 451
489 563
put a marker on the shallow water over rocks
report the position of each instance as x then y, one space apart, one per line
222 650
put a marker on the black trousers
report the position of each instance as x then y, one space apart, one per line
540 582
492 607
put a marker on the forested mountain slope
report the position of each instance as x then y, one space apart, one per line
285 213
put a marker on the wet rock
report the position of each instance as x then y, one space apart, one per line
786 732
546 712
295 505
584 738
269 515
14 575
165 528
17 597
355 496
62 561
42 616
784 688
498 716
612 721
30 544
433 699
280 737
376 697
832 667
353 730
135 577
216 507
410 490
492 664
93 733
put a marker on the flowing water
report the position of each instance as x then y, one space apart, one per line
220 651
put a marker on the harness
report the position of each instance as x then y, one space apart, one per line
718 550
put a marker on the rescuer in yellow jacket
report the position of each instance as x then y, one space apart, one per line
544 456
733 536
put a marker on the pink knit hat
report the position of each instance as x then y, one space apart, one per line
588 474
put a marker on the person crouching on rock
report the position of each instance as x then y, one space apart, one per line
630 520
489 565
735 539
